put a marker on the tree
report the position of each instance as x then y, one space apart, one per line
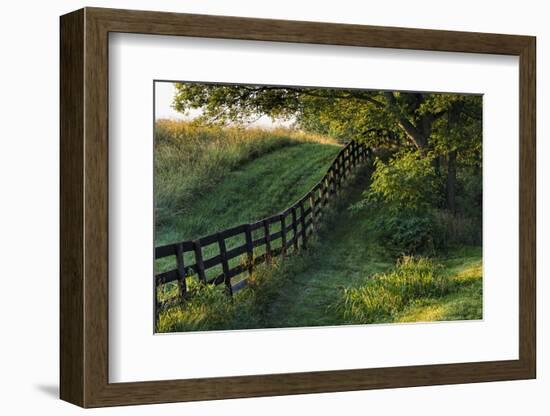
443 127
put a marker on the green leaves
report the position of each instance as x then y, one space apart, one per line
407 181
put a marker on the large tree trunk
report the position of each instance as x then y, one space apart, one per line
451 181
417 134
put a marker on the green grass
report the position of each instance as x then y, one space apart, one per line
308 288
464 268
256 189
416 290
191 160
255 174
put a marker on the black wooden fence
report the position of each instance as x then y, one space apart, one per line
294 226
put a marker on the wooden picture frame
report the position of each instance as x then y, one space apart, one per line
84 207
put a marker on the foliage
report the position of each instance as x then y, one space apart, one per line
406 232
381 118
300 290
407 181
405 196
425 195
400 197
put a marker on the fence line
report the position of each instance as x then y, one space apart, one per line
296 223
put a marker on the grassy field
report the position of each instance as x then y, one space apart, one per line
345 277
190 161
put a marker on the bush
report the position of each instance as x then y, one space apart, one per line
405 232
400 197
384 295
410 232
408 181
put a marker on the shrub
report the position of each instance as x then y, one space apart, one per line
407 181
405 232
383 296
400 197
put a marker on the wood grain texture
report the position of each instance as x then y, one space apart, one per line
71 213
527 207
84 207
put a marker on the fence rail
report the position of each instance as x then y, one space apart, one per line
294 226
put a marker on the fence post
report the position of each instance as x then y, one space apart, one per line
339 175
181 271
303 223
295 228
283 234
225 265
320 199
157 305
198 261
342 171
249 249
344 163
333 176
312 205
336 175
327 191
267 238
322 191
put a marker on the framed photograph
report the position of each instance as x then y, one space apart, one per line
255 207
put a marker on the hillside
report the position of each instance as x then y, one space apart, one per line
326 284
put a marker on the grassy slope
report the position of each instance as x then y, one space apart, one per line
191 160
345 254
257 189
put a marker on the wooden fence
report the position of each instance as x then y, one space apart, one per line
293 227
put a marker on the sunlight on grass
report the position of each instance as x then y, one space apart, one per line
210 178
190 159
464 304
384 295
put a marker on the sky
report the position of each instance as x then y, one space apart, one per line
164 93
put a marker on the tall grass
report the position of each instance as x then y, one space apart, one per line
190 159
209 308
383 296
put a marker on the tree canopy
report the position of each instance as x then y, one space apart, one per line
445 128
